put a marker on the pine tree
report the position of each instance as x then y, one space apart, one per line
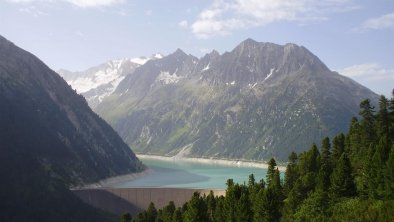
243 209
251 181
389 176
253 189
325 165
196 209
291 174
375 176
126 217
258 207
391 117
367 122
383 122
159 217
353 141
338 147
230 201
211 204
151 213
168 212
177 216
342 184
220 214
270 171
271 205
309 161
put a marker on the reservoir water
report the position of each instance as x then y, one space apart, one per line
191 175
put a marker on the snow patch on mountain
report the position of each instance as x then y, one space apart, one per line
206 67
98 82
167 78
101 77
269 74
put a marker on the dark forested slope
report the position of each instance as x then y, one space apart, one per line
49 140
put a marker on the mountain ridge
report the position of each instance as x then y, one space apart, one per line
98 82
252 102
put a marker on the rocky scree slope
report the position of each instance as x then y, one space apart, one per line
258 101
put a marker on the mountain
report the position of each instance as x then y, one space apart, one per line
100 81
257 101
50 140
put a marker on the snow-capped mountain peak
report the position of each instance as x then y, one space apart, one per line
98 82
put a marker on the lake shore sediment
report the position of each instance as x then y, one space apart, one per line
108 182
223 162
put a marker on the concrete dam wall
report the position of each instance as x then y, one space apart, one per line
134 200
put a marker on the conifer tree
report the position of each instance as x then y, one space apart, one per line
353 141
126 217
168 211
196 209
389 176
243 209
338 147
325 165
258 207
342 184
391 117
375 177
230 201
291 174
253 189
151 213
367 122
270 171
271 205
383 121
220 214
211 205
177 216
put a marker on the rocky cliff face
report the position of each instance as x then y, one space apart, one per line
257 101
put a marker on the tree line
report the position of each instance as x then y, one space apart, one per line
348 178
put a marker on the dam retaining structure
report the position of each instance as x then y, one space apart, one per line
135 200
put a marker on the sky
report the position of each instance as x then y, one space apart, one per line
352 37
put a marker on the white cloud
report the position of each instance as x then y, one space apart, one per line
368 71
78 3
183 24
382 22
32 10
223 17
372 75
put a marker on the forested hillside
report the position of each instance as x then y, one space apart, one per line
350 178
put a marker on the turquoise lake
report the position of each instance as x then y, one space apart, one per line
191 175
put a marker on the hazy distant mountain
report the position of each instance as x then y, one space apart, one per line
257 101
100 81
50 139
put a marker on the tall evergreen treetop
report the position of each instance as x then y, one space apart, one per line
367 122
271 171
342 184
291 174
325 165
338 147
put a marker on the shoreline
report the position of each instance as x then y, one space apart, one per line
110 181
223 162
